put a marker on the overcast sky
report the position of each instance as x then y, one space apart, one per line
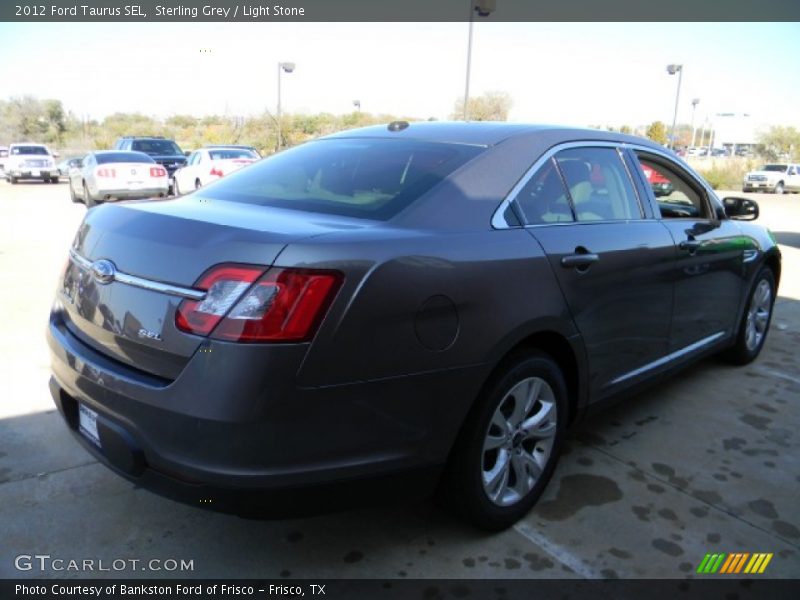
569 73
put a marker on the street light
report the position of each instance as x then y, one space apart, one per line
289 68
695 102
672 69
484 8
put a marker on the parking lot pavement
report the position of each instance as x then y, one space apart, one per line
707 462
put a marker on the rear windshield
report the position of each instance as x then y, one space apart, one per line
29 150
364 178
162 147
228 154
780 168
118 157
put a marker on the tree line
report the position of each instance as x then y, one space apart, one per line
26 118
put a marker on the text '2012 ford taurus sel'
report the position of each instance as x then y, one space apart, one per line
396 310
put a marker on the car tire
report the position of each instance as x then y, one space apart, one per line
12 180
778 189
176 191
72 195
197 184
54 180
87 197
754 327
509 443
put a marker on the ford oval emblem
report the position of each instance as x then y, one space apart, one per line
103 271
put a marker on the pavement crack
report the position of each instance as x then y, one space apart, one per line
47 473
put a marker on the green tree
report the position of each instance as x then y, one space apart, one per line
780 142
657 132
626 129
491 106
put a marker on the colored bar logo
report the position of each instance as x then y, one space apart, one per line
734 563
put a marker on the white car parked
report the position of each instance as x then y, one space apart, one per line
30 161
209 164
775 178
116 175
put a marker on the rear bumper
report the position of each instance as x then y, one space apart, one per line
111 194
258 444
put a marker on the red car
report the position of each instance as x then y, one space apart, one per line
660 184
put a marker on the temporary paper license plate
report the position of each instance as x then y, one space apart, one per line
87 424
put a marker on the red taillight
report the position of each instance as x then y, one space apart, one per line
285 305
106 172
157 172
215 172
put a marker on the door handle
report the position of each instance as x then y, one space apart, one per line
690 245
579 261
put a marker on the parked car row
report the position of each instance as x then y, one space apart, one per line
138 167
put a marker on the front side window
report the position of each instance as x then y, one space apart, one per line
598 184
677 197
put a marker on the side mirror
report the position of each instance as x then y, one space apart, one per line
56 155
742 209
187 153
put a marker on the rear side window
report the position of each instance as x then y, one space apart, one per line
598 184
544 198
364 178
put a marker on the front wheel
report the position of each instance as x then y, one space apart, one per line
778 188
176 191
72 195
509 445
755 322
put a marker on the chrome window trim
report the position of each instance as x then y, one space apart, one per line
141 282
499 222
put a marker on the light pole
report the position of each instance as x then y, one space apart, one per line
672 69
695 102
289 68
484 8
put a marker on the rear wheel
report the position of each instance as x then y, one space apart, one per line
12 180
54 180
175 189
197 184
509 445
755 322
72 195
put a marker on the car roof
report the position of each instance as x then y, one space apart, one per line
486 133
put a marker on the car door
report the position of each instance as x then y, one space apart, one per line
710 249
611 258
185 176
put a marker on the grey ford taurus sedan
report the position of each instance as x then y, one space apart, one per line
396 310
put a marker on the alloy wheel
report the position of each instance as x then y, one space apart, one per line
519 441
758 315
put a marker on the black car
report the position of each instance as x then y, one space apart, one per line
165 152
394 310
